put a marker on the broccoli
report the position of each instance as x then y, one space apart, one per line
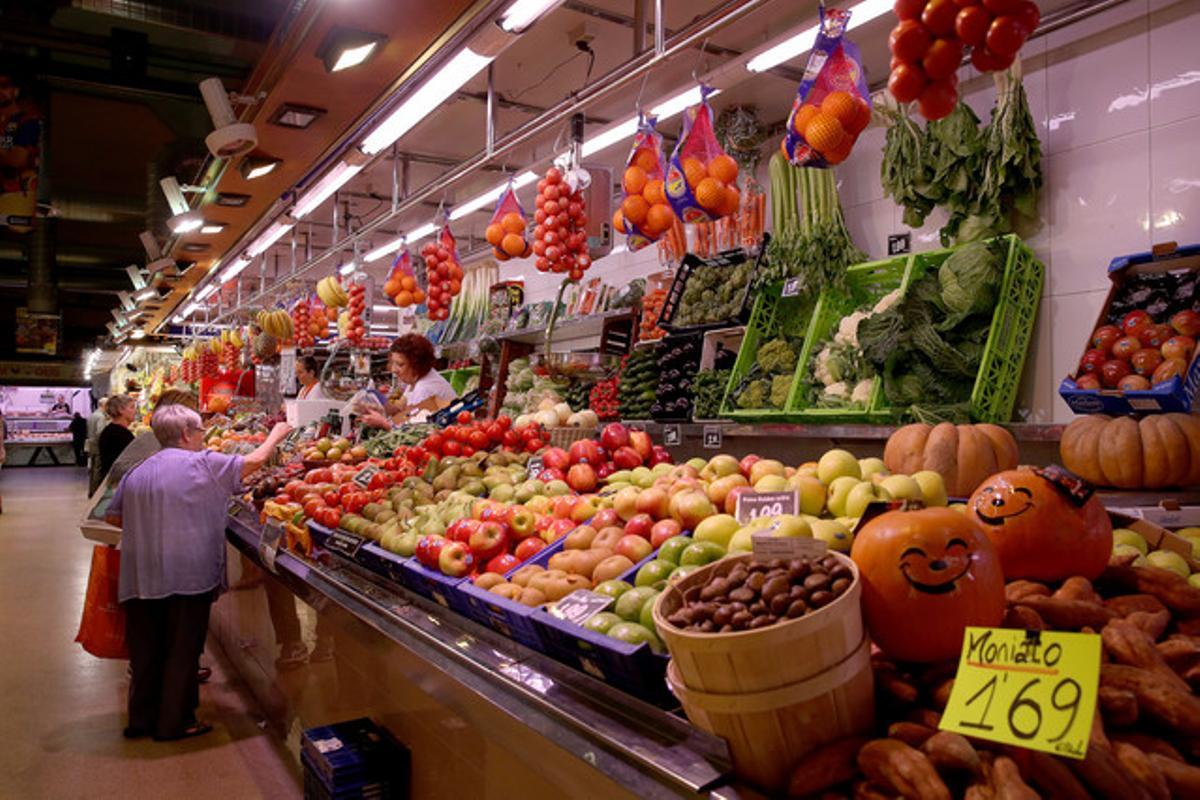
777 356
781 385
754 395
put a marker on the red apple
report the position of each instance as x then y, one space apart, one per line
521 522
1155 335
581 477
731 498
1186 322
564 505
1133 322
556 458
1087 381
660 455
1134 383
505 561
633 547
1092 361
614 436
604 470
1145 361
526 548
664 529
559 529
626 458
551 474
1105 336
1170 368
691 507
477 508
640 441
585 450
747 462
455 560
429 550
1112 372
489 540
605 517
544 521
640 525
1125 347
652 502
1179 347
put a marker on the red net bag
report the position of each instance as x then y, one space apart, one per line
443 272
702 178
401 285
506 232
645 214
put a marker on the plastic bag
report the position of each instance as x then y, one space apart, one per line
102 628
645 215
832 105
701 178
401 284
506 232
444 273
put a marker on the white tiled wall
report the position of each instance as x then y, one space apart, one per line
1117 101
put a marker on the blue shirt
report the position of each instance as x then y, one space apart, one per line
173 508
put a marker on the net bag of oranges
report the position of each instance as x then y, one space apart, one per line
506 232
401 285
701 178
645 215
832 105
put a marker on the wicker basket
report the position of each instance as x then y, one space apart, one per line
564 437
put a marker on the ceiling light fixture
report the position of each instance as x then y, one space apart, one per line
186 222
210 228
627 128
795 46
232 199
136 276
400 241
195 247
145 294
294 115
269 237
234 269
320 191
488 197
229 137
126 301
137 333
206 291
343 48
519 16
348 267
257 166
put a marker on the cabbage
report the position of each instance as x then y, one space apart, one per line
969 278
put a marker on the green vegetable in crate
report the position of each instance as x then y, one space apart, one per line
713 293
709 389
755 394
970 278
776 356
384 444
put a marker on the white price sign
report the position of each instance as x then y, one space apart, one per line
752 505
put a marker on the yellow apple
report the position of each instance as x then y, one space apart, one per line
903 487
836 464
835 496
858 498
933 487
771 483
870 467
763 468
791 525
719 529
811 492
1131 538
836 535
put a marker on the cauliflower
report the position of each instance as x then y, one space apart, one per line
847 332
821 368
862 391
777 356
837 390
887 301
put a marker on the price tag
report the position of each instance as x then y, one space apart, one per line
1034 689
363 479
752 505
671 435
791 287
344 543
268 543
533 467
765 546
899 243
580 605
713 437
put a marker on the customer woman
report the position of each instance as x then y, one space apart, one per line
308 375
171 509
419 387
116 436
145 444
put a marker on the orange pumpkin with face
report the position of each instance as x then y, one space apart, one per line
1038 531
926 576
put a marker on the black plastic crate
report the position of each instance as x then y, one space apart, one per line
668 387
354 759
727 258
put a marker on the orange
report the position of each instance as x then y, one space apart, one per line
841 106
646 159
803 117
862 117
634 208
659 218
391 287
404 298
824 133
654 192
635 180
512 223
723 168
418 295
408 283
513 244
618 221
494 234
841 152
730 202
694 171
710 194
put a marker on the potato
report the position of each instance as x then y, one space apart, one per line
610 568
531 597
580 538
489 579
590 559
608 537
521 577
509 591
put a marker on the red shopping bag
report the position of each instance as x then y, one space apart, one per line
102 629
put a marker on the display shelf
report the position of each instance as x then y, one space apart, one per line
651 752
1024 432
568 330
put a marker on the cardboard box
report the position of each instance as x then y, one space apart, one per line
1156 536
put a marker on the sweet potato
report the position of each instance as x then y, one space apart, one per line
941 693
890 680
826 766
865 790
1149 744
1015 591
1127 643
1183 779
911 733
1125 604
1119 706
896 766
1023 618
1054 778
1069 615
950 752
1180 652
1101 771
1007 782
1176 708
925 716
1077 587
1142 770
1154 624
1173 590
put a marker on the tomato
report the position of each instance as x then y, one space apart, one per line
966 3
1001 6
942 59
479 440
985 60
463 435
938 17
1029 15
381 480
533 445
1005 36
971 25
465 417
452 448
908 9
938 100
494 431
906 82
909 40
312 506
511 440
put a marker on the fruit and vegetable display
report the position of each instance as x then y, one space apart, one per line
468 312
841 376
401 285
652 307
443 274
712 293
352 323
678 360
769 380
1156 452
331 292
637 383
309 322
560 238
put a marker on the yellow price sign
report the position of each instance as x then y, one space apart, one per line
1034 689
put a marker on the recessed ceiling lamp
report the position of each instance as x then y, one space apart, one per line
211 227
519 16
293 115
186 222
195 247
343 48
137 333
257 166
232 199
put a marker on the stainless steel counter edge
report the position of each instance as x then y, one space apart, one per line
649 751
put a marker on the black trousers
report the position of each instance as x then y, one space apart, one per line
165 638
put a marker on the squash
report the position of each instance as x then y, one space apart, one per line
1041 530
1156 452
926 575
963 454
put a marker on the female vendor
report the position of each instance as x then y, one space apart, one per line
419 387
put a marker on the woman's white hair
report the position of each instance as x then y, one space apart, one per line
170 423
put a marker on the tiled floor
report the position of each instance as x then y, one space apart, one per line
61 710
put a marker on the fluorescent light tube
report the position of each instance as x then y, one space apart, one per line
234 269
145 294
523 13
627 128
319 192
796 46
268 237
206 291
490 196
439 86
191 308
138 333
400 241
348 267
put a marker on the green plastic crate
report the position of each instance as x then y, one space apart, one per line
771 310
868 283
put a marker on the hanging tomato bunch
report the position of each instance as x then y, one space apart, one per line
356 329
560 238
443 272
932 36
301 319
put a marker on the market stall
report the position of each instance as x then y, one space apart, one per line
37 423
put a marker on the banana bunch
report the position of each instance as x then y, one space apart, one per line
276 322
343 324
214 344
330 290
235 338
189 353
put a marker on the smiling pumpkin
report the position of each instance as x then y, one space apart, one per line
936 575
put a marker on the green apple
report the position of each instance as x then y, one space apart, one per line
836 535
1194 579
839 489
742 541
642 477
810 491
791 525
602 622
1131 538
646 616
683 572
700 553
620 476
859 497
721 465
1188 533
672 548
697 463
613 588
1169 560
654 572
838 463
772 483
933 487
659 470
717 529
870 467
629 604
903 487
634 633
557 488
1139 559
